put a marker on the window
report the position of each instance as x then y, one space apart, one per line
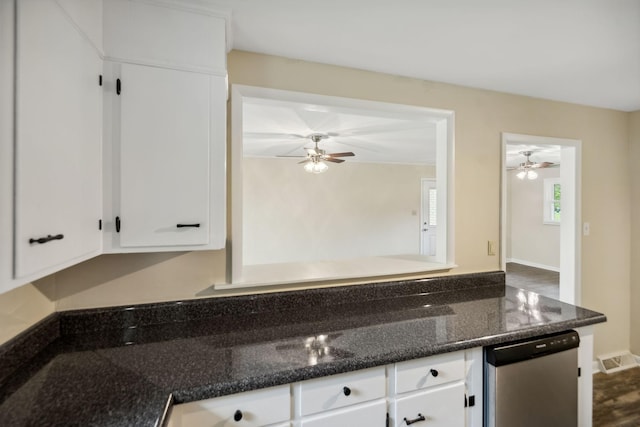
432 208
552 201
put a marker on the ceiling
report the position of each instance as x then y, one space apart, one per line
273 128
579 51
546 153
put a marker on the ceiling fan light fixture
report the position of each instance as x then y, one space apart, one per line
316 166
527 173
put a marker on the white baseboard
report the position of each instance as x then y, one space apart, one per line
596 367
534 264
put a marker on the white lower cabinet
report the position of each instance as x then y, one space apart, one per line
438 407
427 372
397 395
337 391
266 407
429 391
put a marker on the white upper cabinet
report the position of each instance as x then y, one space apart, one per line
164 133
165 156
58 105
87 15
165 128
75 155
174 34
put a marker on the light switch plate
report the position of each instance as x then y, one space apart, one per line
491 248
586 229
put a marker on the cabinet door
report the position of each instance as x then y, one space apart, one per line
164 157
438 407
58 142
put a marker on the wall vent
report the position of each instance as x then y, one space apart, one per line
615 362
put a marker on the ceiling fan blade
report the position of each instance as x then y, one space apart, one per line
345 154
331 159
307 160
543 165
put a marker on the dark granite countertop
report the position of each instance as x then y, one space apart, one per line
127 365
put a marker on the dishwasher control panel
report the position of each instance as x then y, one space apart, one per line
531 348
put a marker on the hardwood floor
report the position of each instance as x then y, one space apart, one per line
616 399
543 282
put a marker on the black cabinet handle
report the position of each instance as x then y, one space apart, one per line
118 86
188 225
415 420
434 372
346 391
237 416
117 224
49 238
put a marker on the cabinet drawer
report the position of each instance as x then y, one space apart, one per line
417 374
253 409
440 407
337 391
372 414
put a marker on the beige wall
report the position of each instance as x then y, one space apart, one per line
353 210
634 160
481 116
528 238
21 308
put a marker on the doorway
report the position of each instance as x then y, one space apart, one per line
569 160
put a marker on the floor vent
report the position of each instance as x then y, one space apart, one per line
615 362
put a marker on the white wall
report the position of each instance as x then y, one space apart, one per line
351 210
528 238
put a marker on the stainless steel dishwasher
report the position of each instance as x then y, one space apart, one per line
532 383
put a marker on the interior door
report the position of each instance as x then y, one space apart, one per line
428 218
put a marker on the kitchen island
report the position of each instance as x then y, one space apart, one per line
130 365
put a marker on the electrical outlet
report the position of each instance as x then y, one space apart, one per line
491 248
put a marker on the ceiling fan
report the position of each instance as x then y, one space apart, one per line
526 167
316 157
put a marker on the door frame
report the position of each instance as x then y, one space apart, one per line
571 227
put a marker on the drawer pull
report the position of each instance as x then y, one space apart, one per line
434 372
346 391
187 225
49 238
415 420
238 415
